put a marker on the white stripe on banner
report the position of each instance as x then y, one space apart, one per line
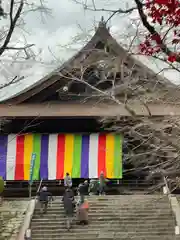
11 157
93 155
52 153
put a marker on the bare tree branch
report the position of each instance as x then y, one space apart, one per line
20 48
115 11
14 80
13 21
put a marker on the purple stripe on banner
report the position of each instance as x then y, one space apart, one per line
3 155
85 157
44 157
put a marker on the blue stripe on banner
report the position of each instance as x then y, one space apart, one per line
3 155
44 156
85 157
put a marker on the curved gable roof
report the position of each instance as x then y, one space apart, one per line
102 34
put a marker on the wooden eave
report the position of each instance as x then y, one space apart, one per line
86 110
52 80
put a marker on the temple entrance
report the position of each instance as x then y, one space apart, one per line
73 125
50 127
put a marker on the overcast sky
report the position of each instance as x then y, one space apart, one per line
66 18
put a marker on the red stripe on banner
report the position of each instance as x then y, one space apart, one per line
102 154
19 171
60 156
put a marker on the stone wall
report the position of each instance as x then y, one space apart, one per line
11 217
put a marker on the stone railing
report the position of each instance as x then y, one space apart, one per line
28 217
27 220
174 206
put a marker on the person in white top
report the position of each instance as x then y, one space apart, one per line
67 181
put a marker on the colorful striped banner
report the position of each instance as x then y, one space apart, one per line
83 156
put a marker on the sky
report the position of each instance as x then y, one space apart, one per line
68 20
59 36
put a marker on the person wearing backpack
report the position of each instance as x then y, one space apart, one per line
44 199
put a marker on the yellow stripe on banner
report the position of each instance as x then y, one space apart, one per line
109 156
68 156
28 148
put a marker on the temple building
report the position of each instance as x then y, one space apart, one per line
99 108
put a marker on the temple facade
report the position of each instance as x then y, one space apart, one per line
83 117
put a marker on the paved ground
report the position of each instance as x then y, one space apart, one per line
11 216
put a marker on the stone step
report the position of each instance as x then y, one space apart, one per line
108 208
132 196
55 225
95 234
110 216
120 197
138 217
112 206
100 221
124 200
107 211
109 205
127 204
148 237
103 219
58 212
120 201
97 229
132 215
114 209
129 198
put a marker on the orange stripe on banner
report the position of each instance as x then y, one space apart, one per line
102 154
19 171
60 156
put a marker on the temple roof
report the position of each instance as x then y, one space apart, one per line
39 77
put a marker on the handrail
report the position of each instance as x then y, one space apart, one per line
30 189
39 187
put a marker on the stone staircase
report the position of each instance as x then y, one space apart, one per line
12 214
138 217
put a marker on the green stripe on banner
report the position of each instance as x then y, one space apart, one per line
76 169
37 151
118 156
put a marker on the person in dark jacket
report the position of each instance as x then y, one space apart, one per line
93 187
102 183
68 201
83 190
69 206
44 199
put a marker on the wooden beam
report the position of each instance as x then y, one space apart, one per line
85 110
